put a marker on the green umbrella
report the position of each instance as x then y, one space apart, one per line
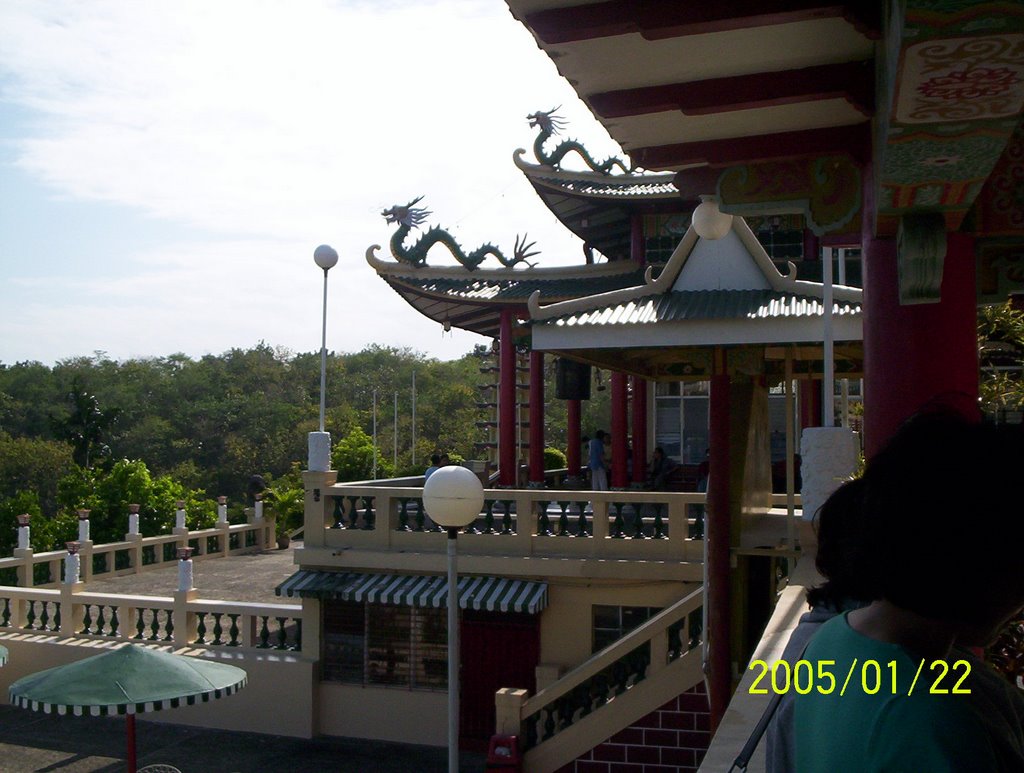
128 680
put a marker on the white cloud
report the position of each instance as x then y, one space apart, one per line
264 128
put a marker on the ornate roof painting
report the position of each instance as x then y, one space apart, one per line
775 106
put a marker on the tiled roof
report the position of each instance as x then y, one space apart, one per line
489 289
612 186
705 304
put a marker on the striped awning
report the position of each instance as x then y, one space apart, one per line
489 594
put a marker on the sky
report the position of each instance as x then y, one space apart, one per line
166 169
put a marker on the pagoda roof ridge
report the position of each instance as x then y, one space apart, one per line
667 280
518 158
454 271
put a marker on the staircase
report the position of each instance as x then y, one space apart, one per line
617 687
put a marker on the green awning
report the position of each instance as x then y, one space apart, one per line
491 594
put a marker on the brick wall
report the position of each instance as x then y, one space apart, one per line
673 738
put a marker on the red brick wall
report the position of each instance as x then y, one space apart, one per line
673 738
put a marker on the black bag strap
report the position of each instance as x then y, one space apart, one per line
743 758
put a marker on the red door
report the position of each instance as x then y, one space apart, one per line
499 649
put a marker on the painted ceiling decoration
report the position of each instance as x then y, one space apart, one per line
951 84
761 102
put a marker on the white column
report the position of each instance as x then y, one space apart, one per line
179 515
24 532
222 510
71 564
186 577
258 508
83 525
133 520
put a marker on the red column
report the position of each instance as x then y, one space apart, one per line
507 402
919 353
810 402
717 531
537 418
620 403
639 429
572 437
637 245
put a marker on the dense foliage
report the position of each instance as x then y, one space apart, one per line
96 433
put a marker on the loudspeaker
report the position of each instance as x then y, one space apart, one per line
572 380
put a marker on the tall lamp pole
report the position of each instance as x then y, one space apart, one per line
320 442
454 497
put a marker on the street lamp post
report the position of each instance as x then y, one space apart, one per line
453 496
320 442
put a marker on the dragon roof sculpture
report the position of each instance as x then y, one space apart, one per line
410 216
551 124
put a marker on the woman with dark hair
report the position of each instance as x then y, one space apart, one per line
839 526
937 551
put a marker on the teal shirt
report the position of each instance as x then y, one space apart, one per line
889 731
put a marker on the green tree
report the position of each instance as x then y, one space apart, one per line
352 457
86 427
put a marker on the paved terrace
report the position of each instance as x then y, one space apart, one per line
31 741
250 578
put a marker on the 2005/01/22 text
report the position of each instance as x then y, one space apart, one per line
870 676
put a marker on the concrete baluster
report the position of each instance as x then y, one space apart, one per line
24 551
85 545
185 621
71 614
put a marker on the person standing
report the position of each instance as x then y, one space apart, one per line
596 462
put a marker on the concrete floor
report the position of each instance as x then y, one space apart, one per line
31 741
250 577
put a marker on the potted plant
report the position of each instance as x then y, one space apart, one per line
286 500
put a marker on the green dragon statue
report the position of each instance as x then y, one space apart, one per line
550 125
409 217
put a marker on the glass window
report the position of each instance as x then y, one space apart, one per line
668 426
696 435
384 644
612 623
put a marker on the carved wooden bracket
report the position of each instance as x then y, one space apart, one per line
920 255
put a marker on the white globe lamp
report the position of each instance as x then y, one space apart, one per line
709 221
325 256
453 496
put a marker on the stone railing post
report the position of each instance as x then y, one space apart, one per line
659 652
180 527
71 614
508 704
26 577
224 540
85 545
134 537
311 620
317 504
599 523
258 520
184 621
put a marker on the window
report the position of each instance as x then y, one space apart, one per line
612 623
384 644
681 420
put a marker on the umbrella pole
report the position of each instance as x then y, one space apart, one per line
130 719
